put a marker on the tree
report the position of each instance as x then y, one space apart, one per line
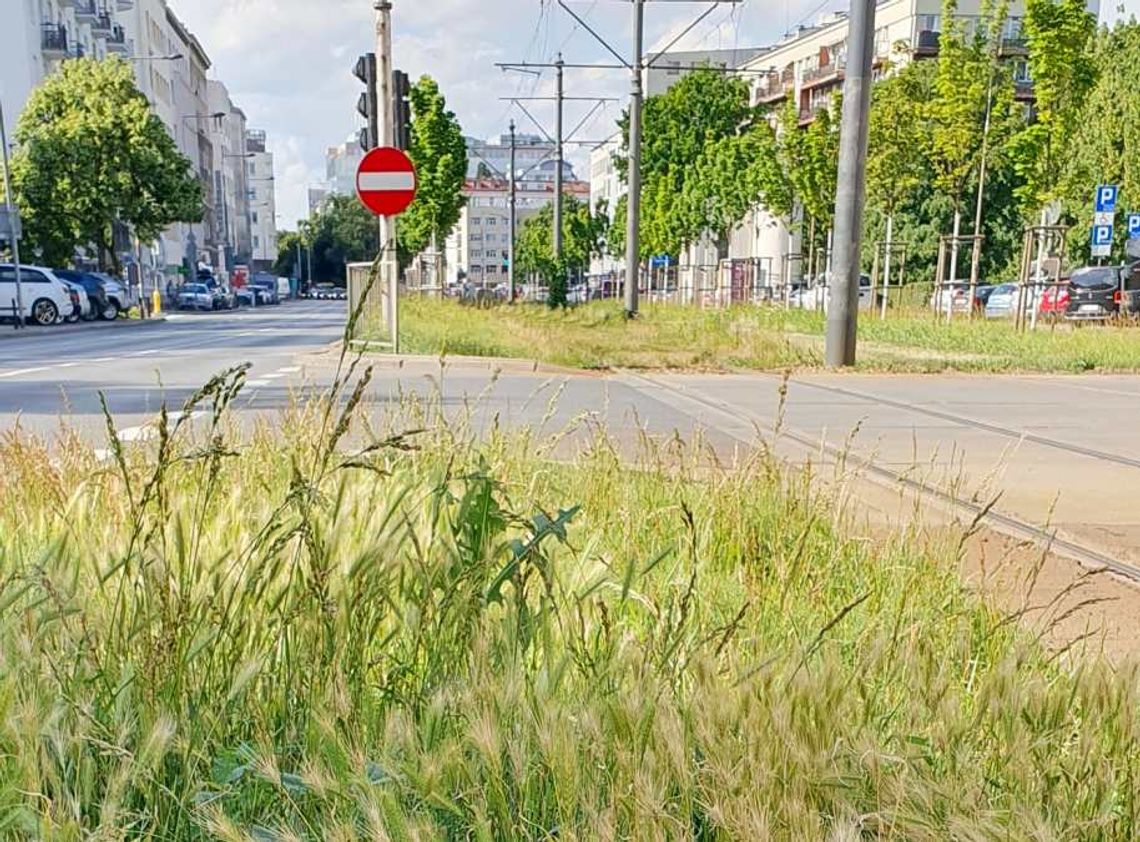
439 152
287 247
583 236
1059 34
1107 146
701 109
341 232
90 153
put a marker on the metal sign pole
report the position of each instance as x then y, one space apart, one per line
12 221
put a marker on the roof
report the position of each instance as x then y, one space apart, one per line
188 38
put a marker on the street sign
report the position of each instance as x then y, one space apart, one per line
1106 195
1101 240
1108 219
661 261
386 181
10 225
1134 226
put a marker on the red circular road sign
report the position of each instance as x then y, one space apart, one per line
386 181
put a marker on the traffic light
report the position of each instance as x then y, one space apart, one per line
402 109
365 71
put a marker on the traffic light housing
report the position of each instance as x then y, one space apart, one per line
402 109
366 106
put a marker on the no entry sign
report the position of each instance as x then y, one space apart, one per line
386 181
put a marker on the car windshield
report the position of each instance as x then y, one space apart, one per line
1004 289
194 289
1095 276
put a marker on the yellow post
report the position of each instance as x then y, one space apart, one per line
156 301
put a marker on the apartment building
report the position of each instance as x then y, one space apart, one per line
492 158
809 66
262 201
36 35
233 237
341 164
479 246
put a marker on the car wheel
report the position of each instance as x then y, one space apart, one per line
110 312
44 312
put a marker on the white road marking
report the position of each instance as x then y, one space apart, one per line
20 371
293 369
257 384
272 376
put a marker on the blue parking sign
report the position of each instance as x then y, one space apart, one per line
1106 195
1102 235
1134 226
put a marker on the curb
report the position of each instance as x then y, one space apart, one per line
7 332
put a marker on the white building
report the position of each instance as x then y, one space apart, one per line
262 201
492 158
231 179
341 163
479 246
606 186
35 35
808 66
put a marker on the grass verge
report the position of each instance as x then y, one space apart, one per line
323 631
597 336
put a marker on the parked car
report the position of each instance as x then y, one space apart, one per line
225 298
268 285
955 298
47 299
817 296
1094 293
80 303
1055 300
1001 303
120 296
195 297
251 296
96 289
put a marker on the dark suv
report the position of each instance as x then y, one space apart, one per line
1095 293
96 290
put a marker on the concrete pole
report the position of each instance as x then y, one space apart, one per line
632 236
559 95
842 318
386 137
513 205
11 207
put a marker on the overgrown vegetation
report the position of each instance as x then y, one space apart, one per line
596 336
329 630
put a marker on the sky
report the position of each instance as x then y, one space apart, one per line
288 63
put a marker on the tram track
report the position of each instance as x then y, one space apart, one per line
1002 522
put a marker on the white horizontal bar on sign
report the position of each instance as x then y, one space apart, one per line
379 181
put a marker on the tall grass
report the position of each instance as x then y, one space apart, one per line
325 629
597 336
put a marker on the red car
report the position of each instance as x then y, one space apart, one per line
1055 301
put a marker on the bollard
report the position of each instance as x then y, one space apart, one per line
156 303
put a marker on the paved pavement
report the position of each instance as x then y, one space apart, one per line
1062 450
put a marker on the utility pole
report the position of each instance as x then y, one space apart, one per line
513 202
842 317
386 137
559 95
11 208
633 213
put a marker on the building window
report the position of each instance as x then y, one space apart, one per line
930 23
492 221
254 215
256 241
476 222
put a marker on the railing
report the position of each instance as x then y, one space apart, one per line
117 38
826 71
926 42
773 89
54 37
86 9
103 23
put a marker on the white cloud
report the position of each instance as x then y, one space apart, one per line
288 63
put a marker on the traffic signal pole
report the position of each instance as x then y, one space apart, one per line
633 206
843 313
385 136
513 221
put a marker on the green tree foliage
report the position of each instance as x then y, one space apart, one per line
583 236
678 127
1060 36
91 152
440 154
971 81
900 137
343 231
286 264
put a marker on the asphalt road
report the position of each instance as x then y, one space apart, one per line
1058 450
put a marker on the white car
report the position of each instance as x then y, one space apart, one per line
47 299
818 297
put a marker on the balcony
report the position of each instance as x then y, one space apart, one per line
53 40
825 75
86 11
926 44
102 26
1023 90
125 5
117 40
773 90
1011 47
808 115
